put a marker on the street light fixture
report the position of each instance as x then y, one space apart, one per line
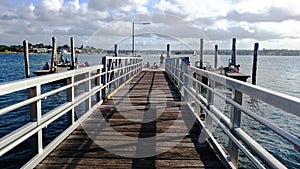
141 23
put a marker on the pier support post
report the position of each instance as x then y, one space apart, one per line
168 50
254 68
116 50
235 122
26 58
201 53
216 57
233 54
54 55
72 53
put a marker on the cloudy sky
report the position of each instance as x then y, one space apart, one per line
102 23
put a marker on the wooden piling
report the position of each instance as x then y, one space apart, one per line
116 50
72 52
26 58
254 63
54 55
168 50
201 53
117 62
216 56
233 54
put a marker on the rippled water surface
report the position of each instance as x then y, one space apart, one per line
279 73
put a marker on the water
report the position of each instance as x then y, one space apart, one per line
279 73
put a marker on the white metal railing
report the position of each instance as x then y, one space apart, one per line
96 82
191 81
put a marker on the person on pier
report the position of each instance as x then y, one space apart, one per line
46 66
161 60
62 59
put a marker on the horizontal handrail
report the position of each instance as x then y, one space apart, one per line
282 101
104 76
185 77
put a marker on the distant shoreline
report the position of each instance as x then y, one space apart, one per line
23 53
263 52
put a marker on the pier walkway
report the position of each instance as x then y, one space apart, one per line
120 115
143 125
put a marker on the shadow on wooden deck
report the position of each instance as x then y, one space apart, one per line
144 125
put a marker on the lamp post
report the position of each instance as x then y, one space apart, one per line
142 23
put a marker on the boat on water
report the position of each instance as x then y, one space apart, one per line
49 71
62 66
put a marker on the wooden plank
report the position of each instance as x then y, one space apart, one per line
130 114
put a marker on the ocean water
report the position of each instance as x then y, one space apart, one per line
279 73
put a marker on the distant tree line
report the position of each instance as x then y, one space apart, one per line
12 48
89 49
19 48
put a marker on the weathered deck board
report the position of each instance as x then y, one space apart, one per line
145 116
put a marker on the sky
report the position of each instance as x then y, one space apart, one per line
274 24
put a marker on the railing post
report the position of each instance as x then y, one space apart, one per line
88 103
36 116
196 87
210 101
177 73
104 78
185 64
70 98
167 66
98 83
126 70
235 122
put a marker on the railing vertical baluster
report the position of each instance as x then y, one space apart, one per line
235 122
70 98
36 116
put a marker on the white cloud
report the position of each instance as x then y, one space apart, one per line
248 20
50 5
167 6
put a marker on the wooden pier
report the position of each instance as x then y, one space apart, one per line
121 116
155 111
